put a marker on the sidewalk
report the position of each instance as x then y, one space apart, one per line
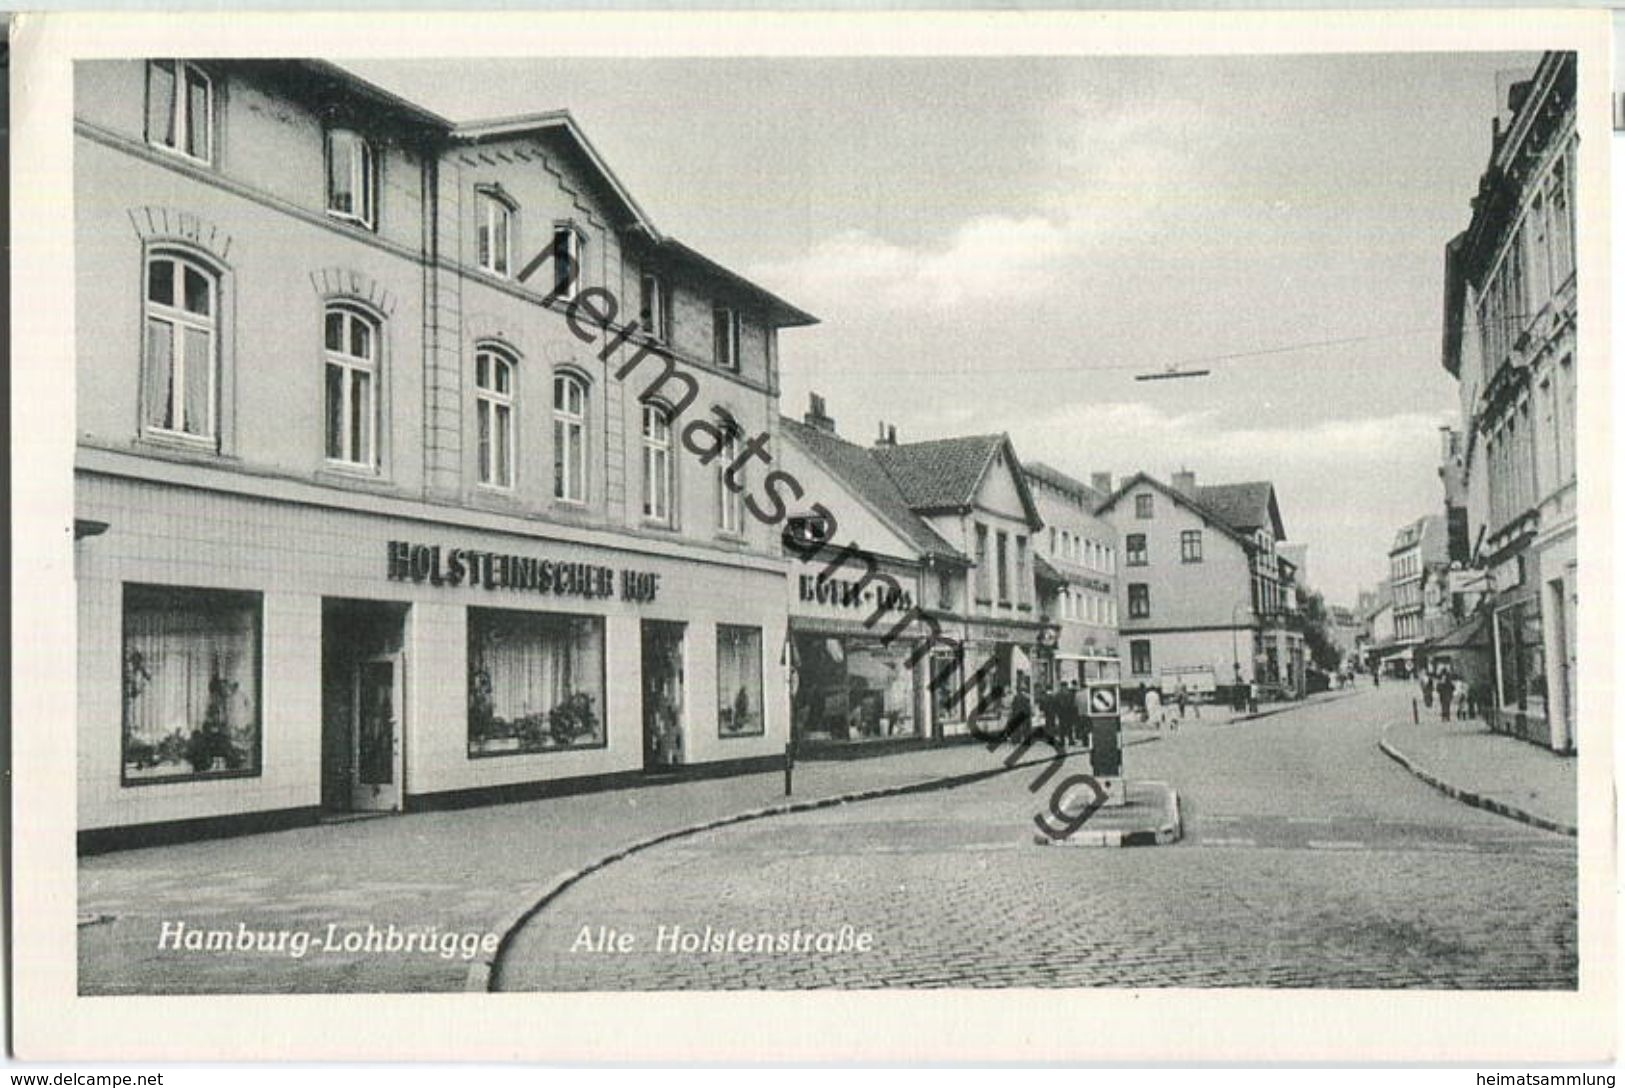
463 872
1502 774
1224 714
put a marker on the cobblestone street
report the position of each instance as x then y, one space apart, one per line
1309 860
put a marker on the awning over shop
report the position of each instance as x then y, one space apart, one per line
1472 635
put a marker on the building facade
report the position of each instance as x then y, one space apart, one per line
1204 600
1510 341
1077 567
1416 567
410 464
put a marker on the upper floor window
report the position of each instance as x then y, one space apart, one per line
493 229
1139 600
725 337
182 347
945 590
1002 543
730 499
569 438
1142 505
1134 544
351 341
567 264
983 591
654 306
493 409
180 108
351 178
1190 546
657 463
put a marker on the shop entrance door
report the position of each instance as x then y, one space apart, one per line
663 738
375 734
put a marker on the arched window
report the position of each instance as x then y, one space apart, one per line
182 347
657 463
569 438
351 355
493 228
493 408
351 181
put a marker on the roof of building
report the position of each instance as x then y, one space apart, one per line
857 468
947 473
1426 532
1059 480
1046 571
561 123
1244 507
1202 510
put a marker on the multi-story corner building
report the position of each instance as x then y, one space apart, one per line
1416 567
1204 599
384 486
1510 341
1077 568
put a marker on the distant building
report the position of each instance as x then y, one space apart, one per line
1205 600
1077 573
1417 563
1510 312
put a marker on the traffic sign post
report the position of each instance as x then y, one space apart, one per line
1103 712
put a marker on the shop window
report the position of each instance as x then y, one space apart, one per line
725 337
351 354
180 108
1139 601
657 464
739 681
1139 652
654 307
1134 545
853 690
493 411
569 438
493 231
352 183
535 682
1522 659
1190 546
182 363
945 683
730 499
191 684
1143 506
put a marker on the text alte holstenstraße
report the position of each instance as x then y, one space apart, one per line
678 940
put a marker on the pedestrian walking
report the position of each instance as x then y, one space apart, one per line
1252 696
1080 699
1153 707
1427 687
1182 697
1447 691
1020 722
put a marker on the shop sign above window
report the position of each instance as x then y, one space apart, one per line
439 566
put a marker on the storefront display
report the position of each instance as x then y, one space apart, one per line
535 682
739 681
852 689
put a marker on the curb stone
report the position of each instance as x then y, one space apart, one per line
1476 800
1170 831
482 973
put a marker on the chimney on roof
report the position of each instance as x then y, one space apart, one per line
817 416
888 434
1101 482
1185 483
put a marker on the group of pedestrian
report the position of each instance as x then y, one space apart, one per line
1438 679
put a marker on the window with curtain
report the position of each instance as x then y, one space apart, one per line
569 438
351 354
493 232
182 347
739 681
352 183
191 683
493 410
535 682
657 463
1139 600
180 108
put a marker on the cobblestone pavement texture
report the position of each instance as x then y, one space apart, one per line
463 871
1310 860
1468 756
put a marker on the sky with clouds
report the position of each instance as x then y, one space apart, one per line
1001 244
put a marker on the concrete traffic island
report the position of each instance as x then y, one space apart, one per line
1149 817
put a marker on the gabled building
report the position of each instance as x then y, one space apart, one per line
385 487
1417 564
1077 575
1510 341
1204 599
